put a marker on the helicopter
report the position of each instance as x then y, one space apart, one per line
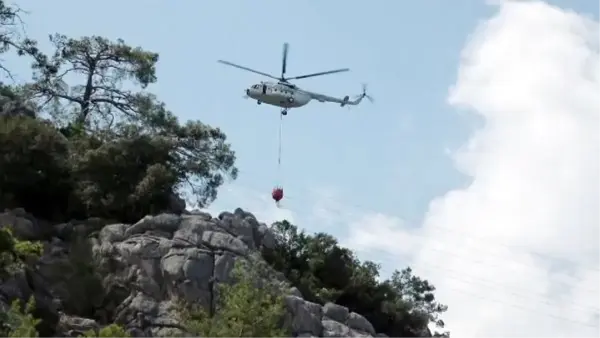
286 95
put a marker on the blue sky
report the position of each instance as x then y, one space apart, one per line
390 157
406 52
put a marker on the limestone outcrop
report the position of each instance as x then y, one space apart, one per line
146 266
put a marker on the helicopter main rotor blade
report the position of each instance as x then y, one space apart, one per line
318 74
284 59
248 69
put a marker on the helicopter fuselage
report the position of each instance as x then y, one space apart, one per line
278 95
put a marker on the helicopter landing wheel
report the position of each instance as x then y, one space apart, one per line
284 112
258 102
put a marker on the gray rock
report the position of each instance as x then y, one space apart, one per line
223 265
304 318
113 233
162 222
160 259
336 312
205 215
243 230
191 229
74 324
223 241
267 238
358 322
63 230
295 292
21 226
331 328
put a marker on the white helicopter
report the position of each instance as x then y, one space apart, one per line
286 95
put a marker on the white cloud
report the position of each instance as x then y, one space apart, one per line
325 206
384 233
516 252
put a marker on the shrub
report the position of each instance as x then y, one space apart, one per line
14 253
19 321
242 310
112 330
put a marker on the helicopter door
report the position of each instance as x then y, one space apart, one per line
264 89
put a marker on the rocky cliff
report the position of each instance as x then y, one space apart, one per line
145 267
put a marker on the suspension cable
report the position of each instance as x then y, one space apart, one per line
279 151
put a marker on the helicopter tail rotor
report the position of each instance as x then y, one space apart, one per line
365 95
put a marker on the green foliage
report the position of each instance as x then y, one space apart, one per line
34 166
112 330
130 172
105 151
243 310
14 253
418 294
12 35
323 271
102 65
19 321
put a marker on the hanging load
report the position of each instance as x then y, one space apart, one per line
277 194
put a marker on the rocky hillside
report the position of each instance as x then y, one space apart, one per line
148 265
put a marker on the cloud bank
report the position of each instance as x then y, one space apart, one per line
516 252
